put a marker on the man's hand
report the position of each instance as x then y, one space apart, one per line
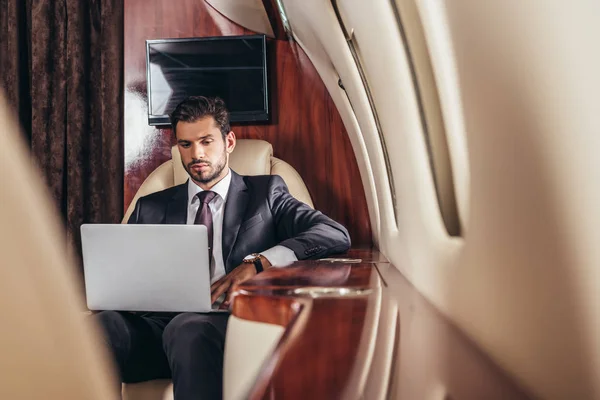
226 284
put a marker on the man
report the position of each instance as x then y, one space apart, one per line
253 224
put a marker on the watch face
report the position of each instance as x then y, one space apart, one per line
251 257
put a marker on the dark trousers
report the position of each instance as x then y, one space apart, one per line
187 347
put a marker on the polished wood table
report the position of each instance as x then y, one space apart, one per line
339 337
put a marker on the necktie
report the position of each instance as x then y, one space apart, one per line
204 217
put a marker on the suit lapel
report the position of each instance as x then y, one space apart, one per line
235 209
177 206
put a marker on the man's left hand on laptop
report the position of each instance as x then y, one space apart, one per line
227 284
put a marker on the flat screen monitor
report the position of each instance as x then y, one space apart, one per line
233 68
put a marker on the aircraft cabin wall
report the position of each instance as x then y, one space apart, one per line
517 85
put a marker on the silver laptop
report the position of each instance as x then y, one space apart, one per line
158 268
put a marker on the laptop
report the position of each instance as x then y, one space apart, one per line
148 268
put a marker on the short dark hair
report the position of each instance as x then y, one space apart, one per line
195 108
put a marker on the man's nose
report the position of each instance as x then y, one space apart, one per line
197 152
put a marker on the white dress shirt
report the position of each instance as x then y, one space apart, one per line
278 256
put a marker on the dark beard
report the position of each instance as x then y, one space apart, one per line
216 169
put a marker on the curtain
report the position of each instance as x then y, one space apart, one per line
62 71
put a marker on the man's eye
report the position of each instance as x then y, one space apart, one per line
184 145
207 142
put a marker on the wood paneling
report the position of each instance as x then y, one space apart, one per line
305 128
275 19
321 354
317 354
267 308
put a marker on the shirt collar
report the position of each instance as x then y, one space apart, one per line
221 188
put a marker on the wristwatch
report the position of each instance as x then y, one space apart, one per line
254 258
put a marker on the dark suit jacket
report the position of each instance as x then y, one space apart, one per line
259 214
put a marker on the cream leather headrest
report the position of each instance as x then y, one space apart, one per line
250 157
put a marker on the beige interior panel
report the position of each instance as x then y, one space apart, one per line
250 14
247 346
529 276
431 359
520 103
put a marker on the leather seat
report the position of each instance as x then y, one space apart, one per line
250 157
48 350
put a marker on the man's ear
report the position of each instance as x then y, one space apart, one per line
230 142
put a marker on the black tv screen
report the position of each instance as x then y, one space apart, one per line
233 68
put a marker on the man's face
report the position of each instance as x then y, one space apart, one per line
204 153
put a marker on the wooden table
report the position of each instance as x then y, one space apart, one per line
330 312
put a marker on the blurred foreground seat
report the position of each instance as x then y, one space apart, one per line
48 350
